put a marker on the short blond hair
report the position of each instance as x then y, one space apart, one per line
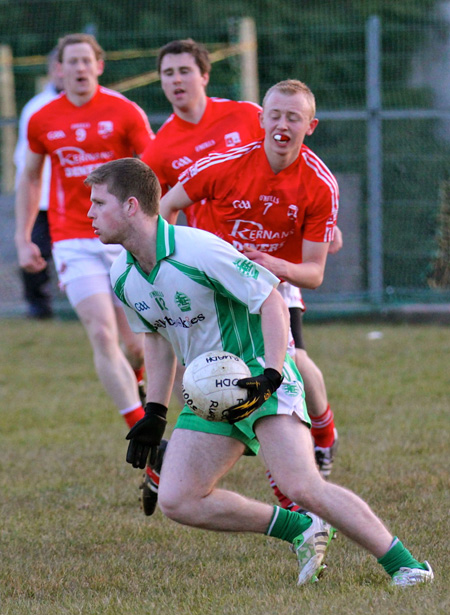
290 87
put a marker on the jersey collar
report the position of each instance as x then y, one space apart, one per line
165 246
204 119
165 239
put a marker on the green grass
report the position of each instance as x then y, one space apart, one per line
74 541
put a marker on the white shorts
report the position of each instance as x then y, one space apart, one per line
292 295
83 267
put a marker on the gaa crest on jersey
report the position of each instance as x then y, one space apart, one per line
292 212
232 139
246 268
241 204
183 301
181 162
292 389
53 135
105 128
140 306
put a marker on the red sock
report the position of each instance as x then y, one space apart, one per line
154 476
322 428
139 373
133 415
284 501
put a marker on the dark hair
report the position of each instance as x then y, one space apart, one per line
187 45
290 87
129 177
74 39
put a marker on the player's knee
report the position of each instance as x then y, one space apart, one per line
103 339
305 493
174 505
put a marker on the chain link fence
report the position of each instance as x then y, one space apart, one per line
381 76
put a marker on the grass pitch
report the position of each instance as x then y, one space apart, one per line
74 541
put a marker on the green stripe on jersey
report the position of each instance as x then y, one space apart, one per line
244 337
119 287
201 278
119 290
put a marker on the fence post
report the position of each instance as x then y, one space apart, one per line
248 60
7 111
374 159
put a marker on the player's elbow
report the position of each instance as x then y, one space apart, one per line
317 280
314 280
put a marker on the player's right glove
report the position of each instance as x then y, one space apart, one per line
260 388
146 435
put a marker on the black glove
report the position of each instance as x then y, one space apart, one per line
260 388
146 435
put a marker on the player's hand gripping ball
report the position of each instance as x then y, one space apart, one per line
209 384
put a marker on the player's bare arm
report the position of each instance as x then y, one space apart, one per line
275 329
308 274
160 364
337 242
27 207
172 202
145 436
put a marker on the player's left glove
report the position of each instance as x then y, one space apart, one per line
259 388
146 435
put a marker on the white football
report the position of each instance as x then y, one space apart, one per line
209 383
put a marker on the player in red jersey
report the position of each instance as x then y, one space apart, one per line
86 126
280 208
198 126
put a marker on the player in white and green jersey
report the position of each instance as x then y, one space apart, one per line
204 295
190 292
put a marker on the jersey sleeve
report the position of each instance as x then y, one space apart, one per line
322 197
33 133
140 133
153 160
201 179
235 276
137 324
118 275
321 215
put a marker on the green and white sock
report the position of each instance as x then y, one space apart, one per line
287 525
398 557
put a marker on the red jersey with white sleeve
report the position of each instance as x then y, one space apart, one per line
78 140
225 124
249 205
